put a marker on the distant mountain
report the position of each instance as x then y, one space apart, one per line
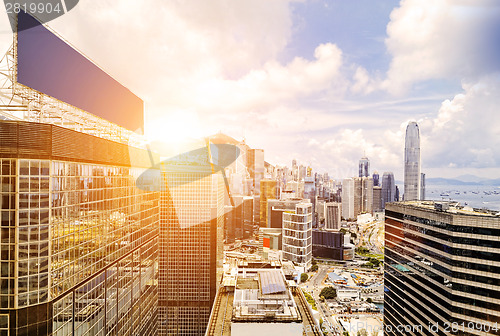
469 178
492 182
445 181
462 180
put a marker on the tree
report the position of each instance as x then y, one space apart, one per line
314 268
304 277
314 261
369 300
362 332
328 292
375 262
362 250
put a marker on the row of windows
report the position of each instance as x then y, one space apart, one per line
478 255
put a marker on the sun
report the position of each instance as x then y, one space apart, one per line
175 132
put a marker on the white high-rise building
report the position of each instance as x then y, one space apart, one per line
297 235
348 198
412 163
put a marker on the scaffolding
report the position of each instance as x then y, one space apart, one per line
20 102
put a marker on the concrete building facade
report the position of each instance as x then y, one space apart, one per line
297 235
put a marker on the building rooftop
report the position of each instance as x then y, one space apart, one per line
271 281
452 207
259 301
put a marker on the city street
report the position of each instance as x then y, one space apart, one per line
314 286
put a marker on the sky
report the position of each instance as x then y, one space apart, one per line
323 82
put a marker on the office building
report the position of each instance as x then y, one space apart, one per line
309 188
248 217
332 245
297 235
348 198
332 215
422 186
310 194
76 233
255 164
377 199
294 189
358 196
320 212
412 163
190 250
229 235
79 235
376 179
364 167
268 190
367 195
270 243
237 227
441 269
302 173
256 211
388 188
362 199
233 219
275 210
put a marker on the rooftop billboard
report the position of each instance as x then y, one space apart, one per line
48 64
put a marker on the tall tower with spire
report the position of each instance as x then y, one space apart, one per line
364 167
412 183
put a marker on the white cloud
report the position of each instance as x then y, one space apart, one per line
363 83
215 61
435 39
466 131
208 66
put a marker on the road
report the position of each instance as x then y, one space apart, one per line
369 235
318 278
314 286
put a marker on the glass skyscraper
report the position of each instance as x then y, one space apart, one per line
78 238
364 167
388 188
412 163
441 269
191 243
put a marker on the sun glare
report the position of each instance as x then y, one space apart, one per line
173 134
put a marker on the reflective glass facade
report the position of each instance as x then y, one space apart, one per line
191 242
78 245
441 271
412 163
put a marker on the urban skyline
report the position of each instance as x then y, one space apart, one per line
346 55
105 232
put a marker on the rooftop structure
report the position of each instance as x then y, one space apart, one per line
257 299
20 102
